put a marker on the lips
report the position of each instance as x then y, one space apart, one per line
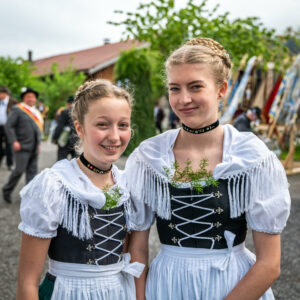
111 149
187 110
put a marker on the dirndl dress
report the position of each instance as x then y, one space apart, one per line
85 252
203 254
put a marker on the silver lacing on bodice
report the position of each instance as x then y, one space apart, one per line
196 201
199 220
105 219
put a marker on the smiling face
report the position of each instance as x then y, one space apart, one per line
29 99
193 94
105 131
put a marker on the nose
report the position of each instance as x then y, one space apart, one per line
185 97
113 135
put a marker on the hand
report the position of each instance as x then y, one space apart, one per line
39 149
16 146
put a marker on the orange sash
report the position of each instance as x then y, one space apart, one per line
31 115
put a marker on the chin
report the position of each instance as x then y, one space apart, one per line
112 158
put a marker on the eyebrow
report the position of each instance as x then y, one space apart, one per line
107 118
189 83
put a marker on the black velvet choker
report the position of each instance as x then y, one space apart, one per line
92 167
201 130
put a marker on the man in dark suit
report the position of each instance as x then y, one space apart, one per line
23 127
243 121
65 122
6 103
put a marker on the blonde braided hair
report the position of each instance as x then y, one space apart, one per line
204 51
94 90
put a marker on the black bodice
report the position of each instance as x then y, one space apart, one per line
198 220
109 231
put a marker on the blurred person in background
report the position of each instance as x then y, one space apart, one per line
65 134
24 128
159 116
6 103
243 121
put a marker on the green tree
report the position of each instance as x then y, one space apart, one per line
134 70
56 87
15 74
291 38
166 28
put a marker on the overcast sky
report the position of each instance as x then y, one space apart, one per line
50 27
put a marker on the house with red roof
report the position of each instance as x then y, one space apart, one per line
95 62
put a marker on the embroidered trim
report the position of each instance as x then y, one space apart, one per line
91 167
201 130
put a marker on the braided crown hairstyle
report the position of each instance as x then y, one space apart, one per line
204 51
94 90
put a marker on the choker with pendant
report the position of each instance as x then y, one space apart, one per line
91 167
201 130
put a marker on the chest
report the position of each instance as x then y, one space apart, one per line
196 157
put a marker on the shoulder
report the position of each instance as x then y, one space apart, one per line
154 149
65 112
15 108
160 142
242 151
244 143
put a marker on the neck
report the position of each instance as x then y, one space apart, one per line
100 180
201 141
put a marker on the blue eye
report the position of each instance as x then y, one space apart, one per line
102 125
124 125
196 87
173 89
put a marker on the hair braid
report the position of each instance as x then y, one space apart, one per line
204 51
217 48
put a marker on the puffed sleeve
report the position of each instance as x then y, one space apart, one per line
140 217
41 205
270 214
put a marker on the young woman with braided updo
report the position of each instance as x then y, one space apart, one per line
204 183
76 211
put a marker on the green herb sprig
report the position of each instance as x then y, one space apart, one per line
195 178
112 197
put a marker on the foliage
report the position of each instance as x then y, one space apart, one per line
198 179
15 74
291 38
166 28
55 88
134 71
112 196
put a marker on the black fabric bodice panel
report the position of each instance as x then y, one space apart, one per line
106 238
199 220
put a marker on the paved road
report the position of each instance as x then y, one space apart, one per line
287 287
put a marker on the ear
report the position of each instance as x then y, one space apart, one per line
223 89
79 129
